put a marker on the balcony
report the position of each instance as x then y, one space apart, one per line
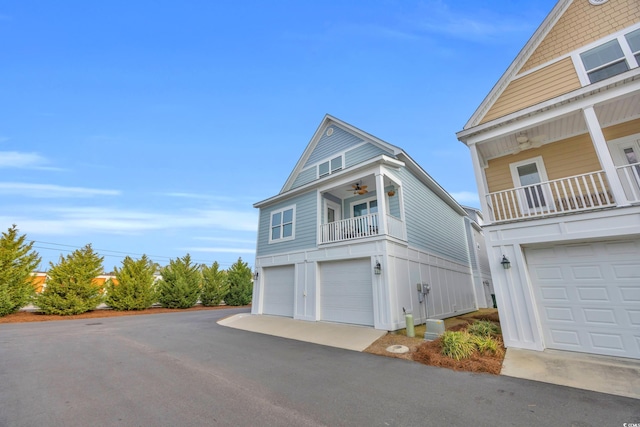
360 227
572 194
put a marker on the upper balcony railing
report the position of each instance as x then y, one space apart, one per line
359 227
630 178
572 194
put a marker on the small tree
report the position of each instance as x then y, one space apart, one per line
214 285
135 285
240 284
180 284
70 285
17 262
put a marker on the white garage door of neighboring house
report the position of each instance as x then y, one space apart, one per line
346 292
588 296
278 290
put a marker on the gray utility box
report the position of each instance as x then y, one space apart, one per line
434 328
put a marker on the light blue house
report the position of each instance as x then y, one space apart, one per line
356 228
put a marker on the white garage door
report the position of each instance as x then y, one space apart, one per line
588 296
346 292
278 290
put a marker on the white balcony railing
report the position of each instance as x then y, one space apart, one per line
359 227
630 178
576 193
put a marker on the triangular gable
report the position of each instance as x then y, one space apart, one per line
518 62
323 145
570 25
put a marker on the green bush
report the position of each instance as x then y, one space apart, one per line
457 345
180 284
214 285
70 287
135 285
17 262
487 345
484 328
240 284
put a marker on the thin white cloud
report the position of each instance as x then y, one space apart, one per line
219 250
84 220
16 159
226 240
466 197
51 191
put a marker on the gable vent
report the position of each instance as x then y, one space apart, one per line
329 131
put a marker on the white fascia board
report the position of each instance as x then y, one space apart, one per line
379 160
524 54
622 84
432 184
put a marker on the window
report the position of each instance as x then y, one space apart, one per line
633 38
331 166
604 61
614 57
365 208
282 224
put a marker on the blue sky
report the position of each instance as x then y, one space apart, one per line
153 126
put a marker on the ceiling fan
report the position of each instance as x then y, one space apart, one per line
358 188
525 143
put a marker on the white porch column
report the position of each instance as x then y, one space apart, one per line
382 204
482 191
600 144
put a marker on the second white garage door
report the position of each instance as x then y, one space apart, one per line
279 290
346 292
588 296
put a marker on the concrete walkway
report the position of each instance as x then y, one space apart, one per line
612 375
350 337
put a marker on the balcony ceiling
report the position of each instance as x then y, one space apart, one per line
610 113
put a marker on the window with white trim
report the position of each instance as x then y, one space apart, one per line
282 224
330 166
613 57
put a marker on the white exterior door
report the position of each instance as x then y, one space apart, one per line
530 176
626 156
346 292
588 296
278 290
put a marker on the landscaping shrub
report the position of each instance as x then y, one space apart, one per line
240 284
70 286
17 262
180 284
484 328
487 345
457 345
214 285
134 289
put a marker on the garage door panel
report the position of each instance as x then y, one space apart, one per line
587 296
346 293
279 290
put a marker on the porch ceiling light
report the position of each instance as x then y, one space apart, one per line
377 269
506 264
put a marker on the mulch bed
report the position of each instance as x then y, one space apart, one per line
30 316
429 353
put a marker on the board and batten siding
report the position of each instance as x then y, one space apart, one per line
362 153
305 226
431 223
328 146
549 82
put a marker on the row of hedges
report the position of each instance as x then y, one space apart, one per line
70 287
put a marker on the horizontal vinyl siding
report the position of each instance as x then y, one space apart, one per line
432 224
394 204
623 129
470 243
305 177
362 153
551 81
596 22
569 157
329 146
305 226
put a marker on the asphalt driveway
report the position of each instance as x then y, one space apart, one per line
182 369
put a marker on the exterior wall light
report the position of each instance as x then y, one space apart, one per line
255 276
377 269
506 264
